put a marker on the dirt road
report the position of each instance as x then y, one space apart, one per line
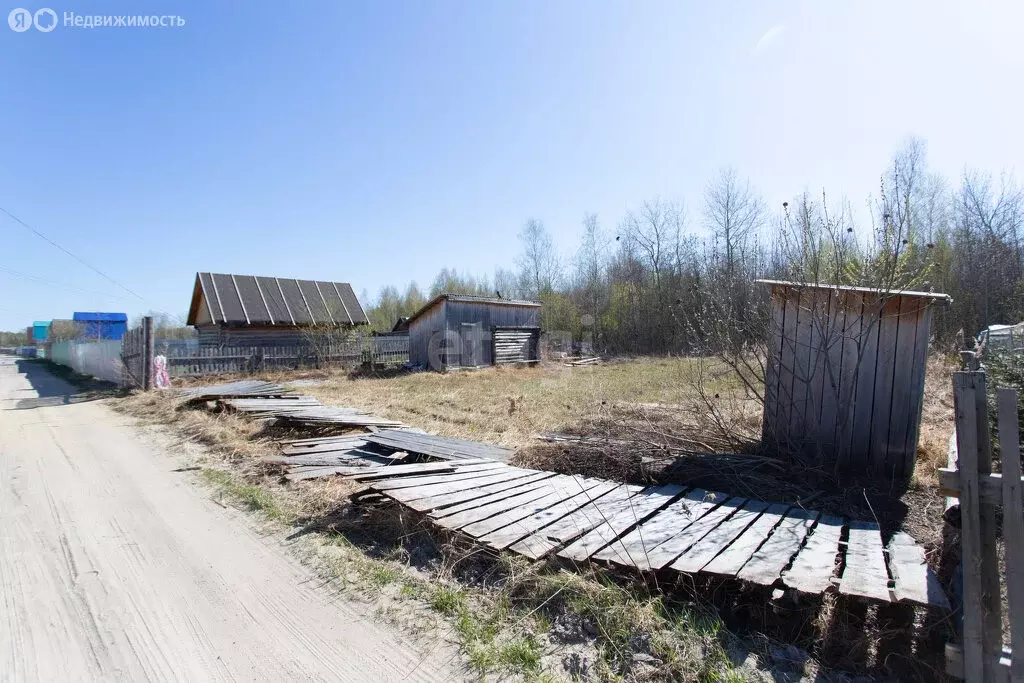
115 567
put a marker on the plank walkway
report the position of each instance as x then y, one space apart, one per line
669 528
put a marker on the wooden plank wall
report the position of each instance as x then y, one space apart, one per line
845 378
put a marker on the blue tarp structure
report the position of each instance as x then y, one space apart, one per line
101 325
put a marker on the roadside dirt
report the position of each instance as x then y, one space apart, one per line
113 565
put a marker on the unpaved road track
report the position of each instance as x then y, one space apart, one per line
114 567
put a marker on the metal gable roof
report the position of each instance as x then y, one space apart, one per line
259 300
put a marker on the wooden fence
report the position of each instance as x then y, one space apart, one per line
137 356
184 361
980 655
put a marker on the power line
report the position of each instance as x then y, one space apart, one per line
43 280
77 258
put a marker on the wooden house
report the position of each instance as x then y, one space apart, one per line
844 377
250 310
458 331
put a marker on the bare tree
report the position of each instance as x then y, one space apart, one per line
733 213
538 264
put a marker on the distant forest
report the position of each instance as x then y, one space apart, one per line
664 277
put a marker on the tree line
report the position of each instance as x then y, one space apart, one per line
665 279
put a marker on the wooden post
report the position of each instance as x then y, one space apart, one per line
1013 525
982 627
147 353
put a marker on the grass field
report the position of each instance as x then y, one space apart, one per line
509 405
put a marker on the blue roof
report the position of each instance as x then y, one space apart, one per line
41 323
100 317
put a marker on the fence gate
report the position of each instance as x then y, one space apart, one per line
979 655
137 356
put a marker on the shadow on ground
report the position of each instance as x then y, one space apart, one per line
57 386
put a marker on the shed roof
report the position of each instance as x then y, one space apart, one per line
91 317
467 298
41 323
848 288
258 300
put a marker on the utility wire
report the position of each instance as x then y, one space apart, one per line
77 258
43 280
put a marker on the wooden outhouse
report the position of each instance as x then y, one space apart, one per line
844 377
459 331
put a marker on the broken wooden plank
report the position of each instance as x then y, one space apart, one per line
731 560
440 496
816 562
865 574
914 581
664 553
468 472
503 538
767 563
526 494
521 487
584 519
637 510
560 488
632 548
719 530
402 470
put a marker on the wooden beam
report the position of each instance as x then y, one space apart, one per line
1000 667
990 486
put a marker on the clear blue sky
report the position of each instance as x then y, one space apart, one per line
375 142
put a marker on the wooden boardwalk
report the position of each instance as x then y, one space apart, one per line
670 528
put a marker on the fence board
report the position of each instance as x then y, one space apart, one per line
1013 524
965 405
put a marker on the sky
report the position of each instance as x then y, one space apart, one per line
377 142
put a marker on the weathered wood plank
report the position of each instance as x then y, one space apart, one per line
389 471
815 564
731 560
866 348
469 515
853 305
900 416
523 486
816 379
441 496
632 549
561 488
1013 522
965 409
885 368
913 581
636 511
916 403
693 535
503 538
787 370
865 574
767 563
427 492
799 420
469 472
572 525
771 378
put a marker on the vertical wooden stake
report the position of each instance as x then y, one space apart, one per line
1013 525
147 353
